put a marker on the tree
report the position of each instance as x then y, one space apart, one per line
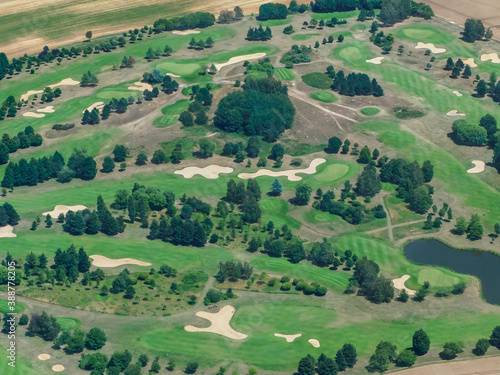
421 342
495 337
482 88
467 72
473 30
176 155
368 183
159 157
350 355
95 339
75 343
489 34
365 155
201 117
450 350
277 151
108 165
406 358
89 79
276 188
88 35
186 118
307 366
143 360
206 148
302 194
155 366
482 347
334 145
120 153
141 159
475 228
191 367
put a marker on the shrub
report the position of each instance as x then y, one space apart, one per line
296 162
272 282
213 296
63 126
286 286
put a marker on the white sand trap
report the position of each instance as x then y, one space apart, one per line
220 323
186 32
172 75
62 209
376 60
105 262
314 343
33 114
399 284
479 166
430 46
98 105
457 93
141 86
211 172
289 338
470 62
64 82
43 357
7 232
491 56
48 109
237 59
58 368
29 93
455 113
291 174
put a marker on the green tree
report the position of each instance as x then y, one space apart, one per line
141 159
495 337
307 366
482 347
191 367
450 350
406 358
334 145
108 165
186 118
206 148
120 152
302 194
95 339
421 342
475 228
88 35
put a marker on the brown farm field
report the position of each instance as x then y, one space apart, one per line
27 26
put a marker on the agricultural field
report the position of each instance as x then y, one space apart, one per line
201 202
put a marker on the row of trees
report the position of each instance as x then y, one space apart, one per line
394 11
259 33
346 357
189 21
355 84
25 139
272 11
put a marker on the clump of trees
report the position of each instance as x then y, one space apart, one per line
369 283
394 11
25 139
259 33
229 16
475 30
262 108
383 41
189 21
8 215
43 326
89 79
272 11
201 44
233 271
296 55
355 84
346 357
469 134
473 228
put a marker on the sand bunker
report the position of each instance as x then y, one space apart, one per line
141 86
455 113
291 174
399 284
376 60
186 32
7 232
98 105
314 343
48 109
430 46
43 357
33 114
220 323
172 75
64 82
58 368
457 93
479 166
62 209
289 338
237 59
470 62
491 56
105 262
211 172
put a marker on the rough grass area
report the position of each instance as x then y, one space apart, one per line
370 111
299 37
284 74
407 113
323 96
317 80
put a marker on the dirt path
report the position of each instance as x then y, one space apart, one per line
396 226
480 366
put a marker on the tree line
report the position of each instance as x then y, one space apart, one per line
394 11
259 33
345 358
355 84
25 139
190 21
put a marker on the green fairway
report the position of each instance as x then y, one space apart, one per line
437 277
299 37
323 96
332 172
272 23
316 216
284 74
5 307
370 111
397 138
379 126
165 121
317 80
180 69
68 324
355 53
275 209
177 108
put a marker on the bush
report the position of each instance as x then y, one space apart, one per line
63 126
320 291
272 282
406 358
450 350
405 113
296 162
469 134
286 286
318 80
213 296
482 347
284 279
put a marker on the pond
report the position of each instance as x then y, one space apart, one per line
483 265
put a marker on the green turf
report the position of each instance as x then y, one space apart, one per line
275 209
397 138
5 307
177 108
299 37
317 80
323 96
68 324
272 23
165 121
284 74
316 217
370 111
338 15
332 172
436 277
180 69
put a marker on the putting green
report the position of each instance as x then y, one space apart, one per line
436 278
177 108
323 96
419 34
178 69
332 172
351 54
165 121
370 111
397 138
316 216
4 307
284 74
68 324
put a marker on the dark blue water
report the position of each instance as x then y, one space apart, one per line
483 265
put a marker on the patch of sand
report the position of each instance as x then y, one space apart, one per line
7 232
430 46
141 86
237 59
291 174
211 172
62 209
43 357
479 166
376 60
314 343
98 105
64 82
455 113
172 75
33 114
470 62
26 96
185 32
491 56
399 284
220 323
457 93
105 262
58 368
48 109
289 338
